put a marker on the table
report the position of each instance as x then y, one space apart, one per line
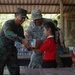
69 54
66 59
28 56
25 59
20 57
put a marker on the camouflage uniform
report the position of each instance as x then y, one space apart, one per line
36 32
8 52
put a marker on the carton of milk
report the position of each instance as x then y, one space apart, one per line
33 42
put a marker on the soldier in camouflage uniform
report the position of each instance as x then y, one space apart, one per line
58 45
12 31
35 31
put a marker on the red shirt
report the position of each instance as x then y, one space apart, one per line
48 49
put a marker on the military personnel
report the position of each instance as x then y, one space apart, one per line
58 45
12 31
35 31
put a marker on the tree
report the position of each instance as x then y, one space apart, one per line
4 17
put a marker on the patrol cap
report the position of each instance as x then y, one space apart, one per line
22 12
36 14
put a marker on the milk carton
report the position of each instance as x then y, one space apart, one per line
33 42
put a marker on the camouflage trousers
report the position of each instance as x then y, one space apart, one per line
10 60
35 60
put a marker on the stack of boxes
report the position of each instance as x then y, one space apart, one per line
21 49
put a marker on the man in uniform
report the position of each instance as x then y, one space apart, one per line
35 31
12 31
58 45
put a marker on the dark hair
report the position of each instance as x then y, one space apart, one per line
55 21
52 26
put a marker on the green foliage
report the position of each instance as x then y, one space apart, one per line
26 24
1 24
4 17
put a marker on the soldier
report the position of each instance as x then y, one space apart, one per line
12 31
58 45
35 31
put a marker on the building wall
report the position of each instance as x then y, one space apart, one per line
69 28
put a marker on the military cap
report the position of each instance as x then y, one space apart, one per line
36 14
22 12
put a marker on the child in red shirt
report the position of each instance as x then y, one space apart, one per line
48 48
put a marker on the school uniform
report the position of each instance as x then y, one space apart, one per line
48 49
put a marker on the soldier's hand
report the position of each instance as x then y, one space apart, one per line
26 44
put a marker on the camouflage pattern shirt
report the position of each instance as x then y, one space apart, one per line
9 34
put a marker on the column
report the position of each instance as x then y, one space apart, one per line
61 21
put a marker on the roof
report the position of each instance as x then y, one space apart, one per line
46 6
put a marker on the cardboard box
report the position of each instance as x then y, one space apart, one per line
36 43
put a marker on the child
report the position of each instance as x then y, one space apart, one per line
73 54
48 48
